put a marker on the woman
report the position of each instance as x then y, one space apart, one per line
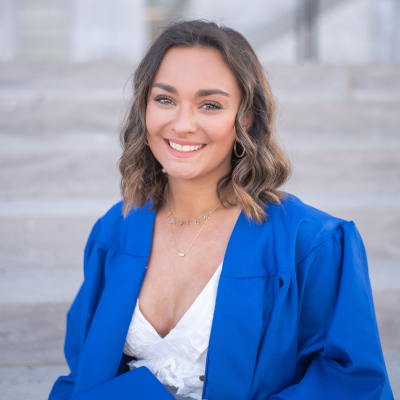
206 280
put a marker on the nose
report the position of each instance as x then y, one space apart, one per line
184 122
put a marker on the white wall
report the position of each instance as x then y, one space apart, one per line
350 32
8 45
385 30
344 33
108 30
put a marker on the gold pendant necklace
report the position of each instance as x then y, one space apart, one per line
172 221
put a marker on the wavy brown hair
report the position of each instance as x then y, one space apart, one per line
255 177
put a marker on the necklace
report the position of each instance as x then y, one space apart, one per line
171 217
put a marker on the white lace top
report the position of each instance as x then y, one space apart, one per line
179 358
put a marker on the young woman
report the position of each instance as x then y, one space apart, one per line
206 282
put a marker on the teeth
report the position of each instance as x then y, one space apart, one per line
186 148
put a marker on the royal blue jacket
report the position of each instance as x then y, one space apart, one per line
294 316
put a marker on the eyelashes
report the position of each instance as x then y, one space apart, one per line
215 106
165 100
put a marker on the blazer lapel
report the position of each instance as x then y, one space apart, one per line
238 317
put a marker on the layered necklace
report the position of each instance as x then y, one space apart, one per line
186 222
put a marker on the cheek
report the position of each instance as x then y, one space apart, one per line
220 130
155 120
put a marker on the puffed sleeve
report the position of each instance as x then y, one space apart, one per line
339 351
139 384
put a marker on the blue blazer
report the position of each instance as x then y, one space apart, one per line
294 317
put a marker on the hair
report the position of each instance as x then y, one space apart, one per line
264 167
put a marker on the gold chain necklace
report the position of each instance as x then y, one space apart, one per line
171 217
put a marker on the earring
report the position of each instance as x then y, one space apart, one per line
236 154
146 143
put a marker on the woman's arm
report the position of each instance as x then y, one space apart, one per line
139 384
339 352
64 385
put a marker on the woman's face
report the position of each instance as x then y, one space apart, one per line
191 111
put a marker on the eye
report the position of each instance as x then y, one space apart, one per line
163 100
210 106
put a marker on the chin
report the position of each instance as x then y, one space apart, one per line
181 171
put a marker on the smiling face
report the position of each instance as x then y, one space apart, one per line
191 111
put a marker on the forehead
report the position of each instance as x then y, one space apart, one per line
196 68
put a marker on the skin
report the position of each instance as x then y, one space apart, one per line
177 109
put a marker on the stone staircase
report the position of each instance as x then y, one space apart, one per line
58 173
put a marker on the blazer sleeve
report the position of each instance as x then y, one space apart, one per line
138 384
339 351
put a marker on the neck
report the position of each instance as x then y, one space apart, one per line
189 199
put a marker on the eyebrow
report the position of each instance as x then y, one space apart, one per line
199 93
209 92
167 88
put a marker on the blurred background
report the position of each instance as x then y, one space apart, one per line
334 67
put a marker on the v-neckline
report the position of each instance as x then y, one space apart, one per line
185 315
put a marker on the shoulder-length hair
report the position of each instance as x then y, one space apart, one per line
264 167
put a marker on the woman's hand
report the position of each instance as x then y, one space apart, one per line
201 377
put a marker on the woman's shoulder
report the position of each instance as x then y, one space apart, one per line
302 226
293 211
129 234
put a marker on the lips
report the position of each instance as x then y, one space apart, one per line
182 148
185 148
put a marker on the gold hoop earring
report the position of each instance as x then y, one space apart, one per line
236 154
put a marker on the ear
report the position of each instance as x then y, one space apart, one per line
247 121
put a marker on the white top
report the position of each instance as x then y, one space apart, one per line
179 358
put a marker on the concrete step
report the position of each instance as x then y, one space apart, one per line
55 237
85 165
305 81
58 116
358 100
32 334
64 78
48 286
48 241
311 119
362 120
69 174
335 82
316 120
392 360
50 142
29 382
387 309
345 171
